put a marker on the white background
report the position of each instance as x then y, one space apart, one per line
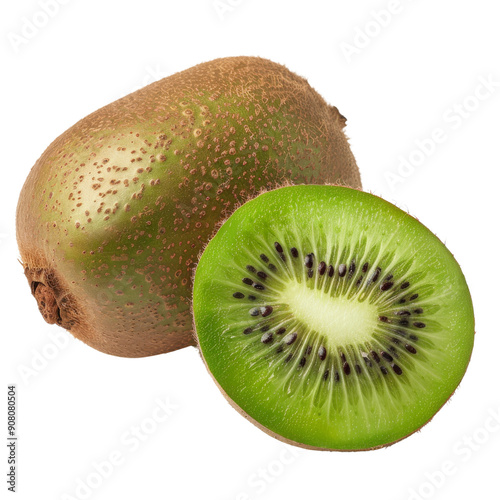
411 76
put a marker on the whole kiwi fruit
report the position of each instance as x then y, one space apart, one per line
113 215
332 319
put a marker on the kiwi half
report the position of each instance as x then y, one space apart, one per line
331 318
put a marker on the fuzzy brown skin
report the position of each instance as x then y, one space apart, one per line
113 215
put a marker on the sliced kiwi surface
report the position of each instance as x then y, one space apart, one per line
331 318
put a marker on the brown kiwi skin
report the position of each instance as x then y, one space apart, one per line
269 431
63 248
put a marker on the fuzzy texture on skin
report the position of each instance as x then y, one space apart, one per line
113 215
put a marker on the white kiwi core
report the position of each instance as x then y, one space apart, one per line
343 321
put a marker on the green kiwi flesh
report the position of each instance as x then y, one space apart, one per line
331 318
113 216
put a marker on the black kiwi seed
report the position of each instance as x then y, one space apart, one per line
397 369
302 362
403 313
322 268
251 297
258 286
288 358
352 269
410 348
266 311
419 324
265 328
365 267
337 376
342 270
279 349
254 312
238 295
278 247
280 331
388 277
359 280
387 285
322 353
325 374
262 275
272 267
413 337
251 269
294 252
414 297
264 257
386 356
346 368
402 301
418 310
290 338
376 274
404 322
404 285
247 281
330 271
375 356
384 370
308 261
308 350
385 319
248 330
267 338
310 273
358 369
